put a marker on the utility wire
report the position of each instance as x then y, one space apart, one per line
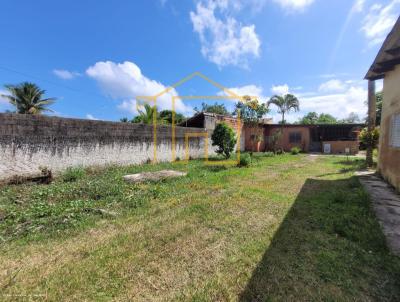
48 81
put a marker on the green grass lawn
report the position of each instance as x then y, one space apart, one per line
287 228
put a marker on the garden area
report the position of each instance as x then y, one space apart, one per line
291 227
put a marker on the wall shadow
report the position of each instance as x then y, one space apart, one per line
329 247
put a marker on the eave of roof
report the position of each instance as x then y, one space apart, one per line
388 56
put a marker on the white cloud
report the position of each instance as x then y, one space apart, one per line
129 106
358 6
332 86
294 5
4 103
339 103
125 81
3 100
65 74
91 117
224 41
280 89
251 90
379 21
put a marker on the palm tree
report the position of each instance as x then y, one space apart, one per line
285 104
27 98
146 116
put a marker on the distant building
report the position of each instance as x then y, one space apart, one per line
387 67
332 139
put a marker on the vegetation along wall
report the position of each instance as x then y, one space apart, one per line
28 142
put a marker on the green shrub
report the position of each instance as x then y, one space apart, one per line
370 138
224 138
280 151
269 154
73 173
295 150
245 160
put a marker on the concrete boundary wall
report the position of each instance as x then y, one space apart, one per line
28 142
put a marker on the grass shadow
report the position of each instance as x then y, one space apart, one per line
329 247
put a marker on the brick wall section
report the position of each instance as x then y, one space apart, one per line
250 144
339 147
28 142
284 141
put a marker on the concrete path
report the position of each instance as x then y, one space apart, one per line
386 203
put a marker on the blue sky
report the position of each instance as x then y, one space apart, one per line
97 56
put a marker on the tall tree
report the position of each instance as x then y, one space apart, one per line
146 116
251 111
285 104
310 118
216 108
313 118
27 98
326 118
352 118
166 115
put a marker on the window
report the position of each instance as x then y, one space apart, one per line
395 131
295 137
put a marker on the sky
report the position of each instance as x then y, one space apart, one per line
96 57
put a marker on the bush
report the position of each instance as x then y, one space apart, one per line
367 138
224 137
73 174
295 150
245 160
269 154
280 151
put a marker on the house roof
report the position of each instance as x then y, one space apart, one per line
388 56
317 125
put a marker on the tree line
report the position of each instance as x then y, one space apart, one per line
28 98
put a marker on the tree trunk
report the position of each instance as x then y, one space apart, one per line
371 121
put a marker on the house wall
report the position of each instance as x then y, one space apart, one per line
251 144
339 147
389 157
28 142
284 141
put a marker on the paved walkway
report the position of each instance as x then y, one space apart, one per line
386 203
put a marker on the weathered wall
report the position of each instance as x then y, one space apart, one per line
339 147
28 142
250 136
389 157
284 141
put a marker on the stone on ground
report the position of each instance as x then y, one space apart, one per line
153 176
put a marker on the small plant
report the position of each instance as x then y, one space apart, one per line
245 160
224 138
73 174
295 150
47 176
269 154
280 151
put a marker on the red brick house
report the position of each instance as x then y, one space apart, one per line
335 139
